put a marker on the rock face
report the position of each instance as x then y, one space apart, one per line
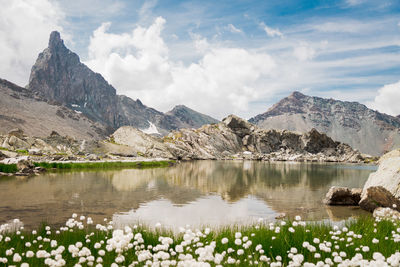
237 138
59 76
382 188
378 196
387 176
143 144
364 129
343 196
21 109
190 117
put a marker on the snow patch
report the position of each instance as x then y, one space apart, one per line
151 130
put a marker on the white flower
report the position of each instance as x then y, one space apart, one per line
291 229
238 242
238 235
17 258
224 240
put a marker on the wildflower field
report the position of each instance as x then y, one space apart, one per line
360 242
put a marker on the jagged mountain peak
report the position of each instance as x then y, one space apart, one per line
55 40
59 75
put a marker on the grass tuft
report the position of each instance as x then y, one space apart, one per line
8 168
102 165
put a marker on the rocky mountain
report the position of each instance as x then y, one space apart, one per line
190 117
364 129
233 138
36 116
58 75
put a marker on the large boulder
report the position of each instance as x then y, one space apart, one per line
387 176
238 125
377 196
342 196
142 143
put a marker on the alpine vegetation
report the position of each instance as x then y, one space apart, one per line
80 242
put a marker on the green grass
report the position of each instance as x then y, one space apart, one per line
274 244
22 151
8 168
102 165
3 148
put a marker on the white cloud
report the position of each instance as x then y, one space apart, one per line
271 32
354 2
223 81
387 100
200 43
91 8
233 29
349 26
145 11
25 28
131 61
304 52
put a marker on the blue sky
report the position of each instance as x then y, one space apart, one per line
223 57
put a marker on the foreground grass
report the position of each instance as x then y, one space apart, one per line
283 243
103 165
8 168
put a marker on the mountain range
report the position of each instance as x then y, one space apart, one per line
59 77
353 123
64 95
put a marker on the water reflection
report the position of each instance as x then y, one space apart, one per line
202 192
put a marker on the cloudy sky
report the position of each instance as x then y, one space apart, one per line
218 57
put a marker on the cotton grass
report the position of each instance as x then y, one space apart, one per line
81 242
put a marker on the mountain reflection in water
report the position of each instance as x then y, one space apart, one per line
200 192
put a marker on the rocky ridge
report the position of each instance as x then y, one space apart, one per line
58 75
235 138
364 129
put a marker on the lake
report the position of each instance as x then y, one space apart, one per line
190 193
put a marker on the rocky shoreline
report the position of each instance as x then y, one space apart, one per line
231 139
381 192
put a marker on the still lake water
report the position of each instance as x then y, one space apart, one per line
194 193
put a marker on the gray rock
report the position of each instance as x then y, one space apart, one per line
378 196
92 157
342 196
17 133
25 166
352 123
3 156
387 175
